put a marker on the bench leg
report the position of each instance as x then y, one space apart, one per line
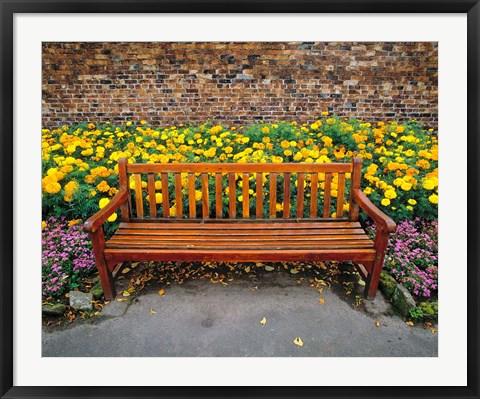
106 278
373 278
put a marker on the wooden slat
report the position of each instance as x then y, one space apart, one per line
227 255
165 200
327 195
355 181
247 225
245 197
232 196
124 184
300 194
273 195
138 195
151 195
311 233
213 238
340 194
205 201
192 204
240 167
178 195
218 195
314 195
259 200
286 196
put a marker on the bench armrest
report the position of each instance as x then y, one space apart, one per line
381 220
95 221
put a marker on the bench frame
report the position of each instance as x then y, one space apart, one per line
109 268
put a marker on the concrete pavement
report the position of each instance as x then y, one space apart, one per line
199 318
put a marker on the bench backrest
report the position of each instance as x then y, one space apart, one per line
244 191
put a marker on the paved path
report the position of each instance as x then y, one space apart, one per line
199 318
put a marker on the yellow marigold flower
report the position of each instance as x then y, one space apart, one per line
368 190
53 187
385 202
298 156
265 129
428 184
158 185
411 201
433 199
113 217
324 113
228 150
103 202
279 207
143 122
287 153
390 194
74 222
406 186
409 207
91 126
103 186
138 139
198 195
92 193
44 225
129 123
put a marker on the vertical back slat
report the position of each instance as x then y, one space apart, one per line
178 195
355 184
123 179
151 195
205 202
165 200
259 203
286 195
313 195
340 194
232 196
192 203
218 195
300 194
327 192
246 197
138 195
273 194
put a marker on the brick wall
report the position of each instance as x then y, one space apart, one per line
171 83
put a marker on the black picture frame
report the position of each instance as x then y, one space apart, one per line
9 8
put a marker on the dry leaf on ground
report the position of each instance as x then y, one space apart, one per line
298 341
263 321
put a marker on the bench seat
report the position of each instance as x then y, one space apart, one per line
240 241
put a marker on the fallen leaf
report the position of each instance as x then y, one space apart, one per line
434 331
126 293
348 292
161 292
122 299
153 311
298 341
321 300
269 268
320 290
263 321
377 323
134 265
293 271
409 323
361 282
258 264
247 269
125 271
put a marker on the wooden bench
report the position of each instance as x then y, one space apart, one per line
213 230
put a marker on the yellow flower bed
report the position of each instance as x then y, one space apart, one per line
400 161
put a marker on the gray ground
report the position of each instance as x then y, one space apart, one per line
199 318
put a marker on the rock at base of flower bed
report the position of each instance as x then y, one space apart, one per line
387 284
81 300
114 309
55 309
97 291
403 300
